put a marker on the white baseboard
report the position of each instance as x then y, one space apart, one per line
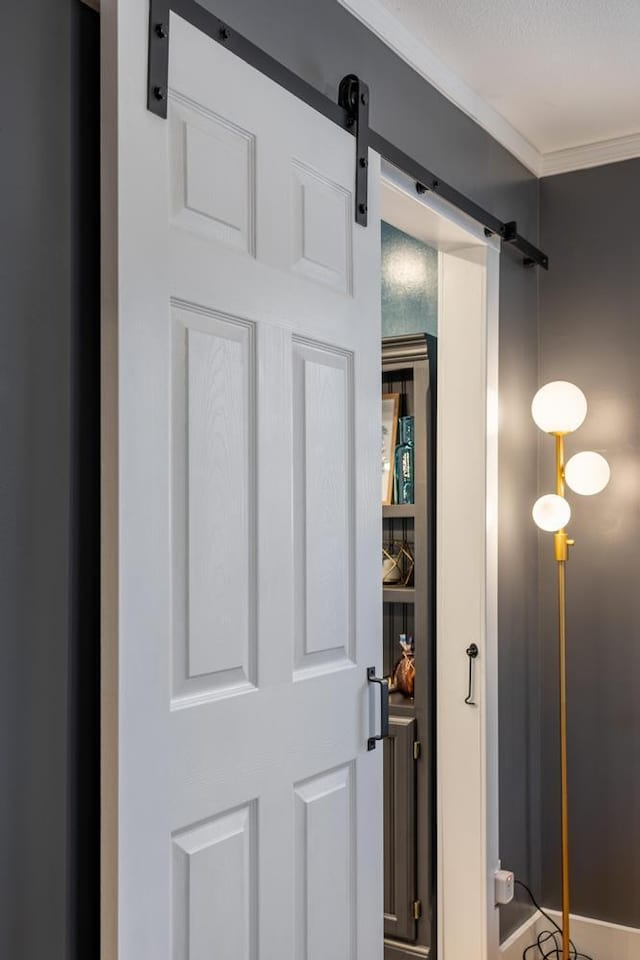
513 948
597 939
602 941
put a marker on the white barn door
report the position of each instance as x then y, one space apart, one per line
242 810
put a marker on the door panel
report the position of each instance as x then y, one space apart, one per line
325 866
213 425
323 506
249 540
400 829
322 228
216 855
212 174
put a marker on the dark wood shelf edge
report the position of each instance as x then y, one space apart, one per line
401 706
396 948
398 511
398 594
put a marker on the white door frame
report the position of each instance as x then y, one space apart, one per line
467 564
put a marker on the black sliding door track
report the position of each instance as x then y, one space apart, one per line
351 112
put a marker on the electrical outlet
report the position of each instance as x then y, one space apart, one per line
504 882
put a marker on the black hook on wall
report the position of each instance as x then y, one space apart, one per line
472 653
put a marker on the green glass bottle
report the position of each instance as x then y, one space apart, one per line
403 472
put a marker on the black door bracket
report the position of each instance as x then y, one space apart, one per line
353 96
158 65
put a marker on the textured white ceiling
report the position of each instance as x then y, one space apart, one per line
562 72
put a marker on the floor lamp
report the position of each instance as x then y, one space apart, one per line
558 409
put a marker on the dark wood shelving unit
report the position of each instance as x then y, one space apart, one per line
409 847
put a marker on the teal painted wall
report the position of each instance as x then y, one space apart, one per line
409 284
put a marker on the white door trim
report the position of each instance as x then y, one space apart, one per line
467 567
467 603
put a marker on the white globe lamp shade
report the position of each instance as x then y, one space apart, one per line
587 473
551 513
559 407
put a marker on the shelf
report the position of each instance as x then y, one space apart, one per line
399 705
398 594
398 510
403 951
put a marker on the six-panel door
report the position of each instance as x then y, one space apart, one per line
250 809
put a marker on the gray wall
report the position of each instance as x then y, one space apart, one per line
40 648
35 298
590 334
44 280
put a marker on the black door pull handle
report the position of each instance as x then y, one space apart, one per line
384 707
472 653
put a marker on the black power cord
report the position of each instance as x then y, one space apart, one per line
548 944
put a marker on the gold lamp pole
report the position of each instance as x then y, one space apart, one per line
559 408
561 545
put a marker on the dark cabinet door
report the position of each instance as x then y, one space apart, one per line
400 829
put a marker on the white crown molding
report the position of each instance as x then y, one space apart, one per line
394 34
377 18
591 155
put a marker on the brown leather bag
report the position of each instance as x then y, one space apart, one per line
404 672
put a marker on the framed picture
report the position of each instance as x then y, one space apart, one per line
390 413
